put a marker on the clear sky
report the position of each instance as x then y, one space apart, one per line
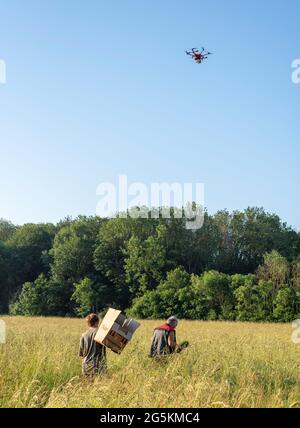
102 88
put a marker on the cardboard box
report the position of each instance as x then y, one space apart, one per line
116 330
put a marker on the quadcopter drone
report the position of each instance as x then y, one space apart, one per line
197 56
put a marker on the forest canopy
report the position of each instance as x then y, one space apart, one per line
239 265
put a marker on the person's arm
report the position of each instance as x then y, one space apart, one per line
172 341
81 348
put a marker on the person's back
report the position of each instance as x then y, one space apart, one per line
93 354
164 339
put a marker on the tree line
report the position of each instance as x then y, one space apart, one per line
242 265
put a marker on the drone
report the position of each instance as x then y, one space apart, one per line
197 56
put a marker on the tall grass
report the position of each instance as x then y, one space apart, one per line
227 365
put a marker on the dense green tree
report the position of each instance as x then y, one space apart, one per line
285 305
295 274
33 298
244 238
172 292
89 297
144 263
254 302
239 280
218 294
29 245
275 269
73 249
295 283
202 247
168 298
262 233
7 229
5 277
110 254
72 255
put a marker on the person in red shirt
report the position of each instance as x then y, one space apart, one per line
164 339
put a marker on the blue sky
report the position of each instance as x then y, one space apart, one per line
97 89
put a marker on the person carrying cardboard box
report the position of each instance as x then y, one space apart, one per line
93 353
116 330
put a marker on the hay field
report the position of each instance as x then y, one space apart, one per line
227 365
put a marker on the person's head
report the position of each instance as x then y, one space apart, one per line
92 320
172 321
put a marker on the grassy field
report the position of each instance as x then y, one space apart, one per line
227 365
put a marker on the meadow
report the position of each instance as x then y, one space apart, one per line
228 364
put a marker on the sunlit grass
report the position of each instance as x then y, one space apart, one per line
227 365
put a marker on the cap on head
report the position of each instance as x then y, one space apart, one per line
172 321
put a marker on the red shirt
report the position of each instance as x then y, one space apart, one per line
166 327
